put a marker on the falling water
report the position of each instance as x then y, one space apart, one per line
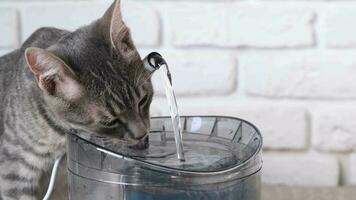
173 107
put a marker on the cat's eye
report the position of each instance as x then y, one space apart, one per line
111 123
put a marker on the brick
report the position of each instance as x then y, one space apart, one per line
300 75
269 117
196 24
338 28
142 20
280 192
300 170
243 25
271 25
9 24
198 73
334 128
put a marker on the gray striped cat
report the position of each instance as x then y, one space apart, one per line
88 79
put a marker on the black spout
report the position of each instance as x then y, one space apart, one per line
153 61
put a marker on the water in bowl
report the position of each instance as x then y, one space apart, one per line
222 162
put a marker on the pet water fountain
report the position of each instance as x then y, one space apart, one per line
101 171
219 159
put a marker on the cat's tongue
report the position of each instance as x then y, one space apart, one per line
141 145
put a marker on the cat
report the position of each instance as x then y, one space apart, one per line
58 80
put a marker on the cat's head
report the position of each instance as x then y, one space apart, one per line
92 79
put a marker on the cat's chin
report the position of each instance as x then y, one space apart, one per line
140 144
133 144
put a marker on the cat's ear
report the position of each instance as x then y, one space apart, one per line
52 74
116 30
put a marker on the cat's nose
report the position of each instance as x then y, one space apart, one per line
138 130
142 144
140 137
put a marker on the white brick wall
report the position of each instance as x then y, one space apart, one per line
9 23
287 66
306 75
252 25
339 31
300 170
270 25
217 73
333 129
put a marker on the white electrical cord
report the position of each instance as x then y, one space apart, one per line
53 177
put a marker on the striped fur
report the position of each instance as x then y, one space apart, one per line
35 110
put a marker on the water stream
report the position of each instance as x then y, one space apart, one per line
173 108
